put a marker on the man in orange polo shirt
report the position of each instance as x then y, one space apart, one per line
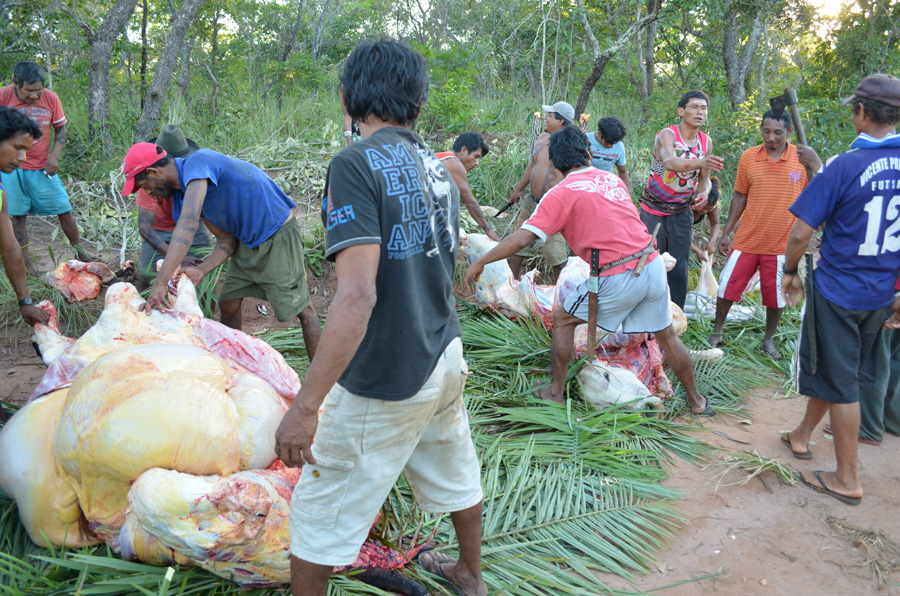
769 178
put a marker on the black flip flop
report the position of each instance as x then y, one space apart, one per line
786 439
437 559
708 411
827 491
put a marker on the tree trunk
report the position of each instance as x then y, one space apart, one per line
184 79
289 47
144 54
602 57
164 68
101 43
211 67
320 27
738 67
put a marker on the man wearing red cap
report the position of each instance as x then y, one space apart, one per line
857 196
253 223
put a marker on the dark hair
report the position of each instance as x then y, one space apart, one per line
568 148
28 72
877 111
694 94
785 117
386 79
160 163
611 129
471 141
14 122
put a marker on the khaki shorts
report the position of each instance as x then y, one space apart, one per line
363 444
555 250
273 271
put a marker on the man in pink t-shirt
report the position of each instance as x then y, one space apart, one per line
35 187
592 210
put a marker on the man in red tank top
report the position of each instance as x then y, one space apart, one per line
468 149
679 181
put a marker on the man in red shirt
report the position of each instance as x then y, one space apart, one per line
35 188
769 179
155 221
592 210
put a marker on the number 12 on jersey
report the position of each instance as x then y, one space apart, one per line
891 240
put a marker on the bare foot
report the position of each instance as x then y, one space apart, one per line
770 349
714 340
546 394
463 580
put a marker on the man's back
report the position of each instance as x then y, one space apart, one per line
857 196
375 194
240 198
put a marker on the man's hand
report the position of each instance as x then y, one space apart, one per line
808 158
791 289
32 314
490 233
472 274
700 201
894 321
158 298
710 248
714 163
294 437
52 167
725 245
515 196
195 274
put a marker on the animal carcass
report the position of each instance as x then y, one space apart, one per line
605 386
155 433
79 281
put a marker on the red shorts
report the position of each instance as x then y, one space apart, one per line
739 270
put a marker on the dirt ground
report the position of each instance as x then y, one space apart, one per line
762 537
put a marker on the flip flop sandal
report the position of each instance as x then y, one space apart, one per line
434 568
827 491
786 439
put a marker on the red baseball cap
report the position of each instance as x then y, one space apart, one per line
140 157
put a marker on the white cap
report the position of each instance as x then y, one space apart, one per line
563 109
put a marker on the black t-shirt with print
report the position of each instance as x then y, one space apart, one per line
390 189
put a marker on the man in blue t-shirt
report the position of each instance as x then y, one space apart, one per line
607 149
857 196
252 220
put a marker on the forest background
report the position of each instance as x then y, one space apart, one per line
259 79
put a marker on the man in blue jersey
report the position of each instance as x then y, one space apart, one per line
857 196
252 220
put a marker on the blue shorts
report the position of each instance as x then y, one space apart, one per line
31 192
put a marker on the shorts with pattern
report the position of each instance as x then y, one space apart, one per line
362 445
273 271
638 304
740 269
31 192
555 250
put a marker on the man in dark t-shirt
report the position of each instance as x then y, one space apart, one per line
390 360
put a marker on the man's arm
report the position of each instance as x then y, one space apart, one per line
791 286
809 159
458 171
14 265
509 246
623 174
665 149
52 167
182 238
146 217
225 245
735 211
348 319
